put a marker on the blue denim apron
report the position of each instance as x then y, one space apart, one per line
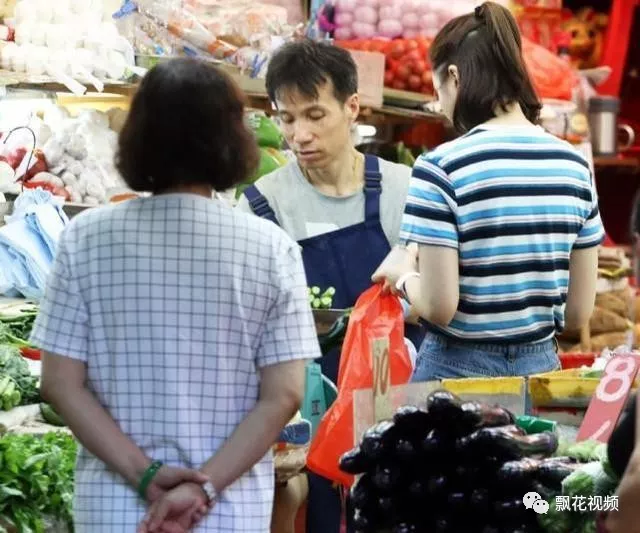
344 259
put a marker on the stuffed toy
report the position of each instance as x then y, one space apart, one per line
586 31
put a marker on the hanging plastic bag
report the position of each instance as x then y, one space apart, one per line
374 316
552 76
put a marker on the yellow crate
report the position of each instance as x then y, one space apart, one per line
564 388
484 386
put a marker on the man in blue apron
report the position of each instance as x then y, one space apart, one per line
343 208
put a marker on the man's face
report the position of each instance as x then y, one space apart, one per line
317 130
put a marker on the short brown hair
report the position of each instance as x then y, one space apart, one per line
487 49
186 126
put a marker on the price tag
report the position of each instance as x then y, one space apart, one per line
381 379
609 399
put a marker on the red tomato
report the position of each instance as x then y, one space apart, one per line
427 77
427 89
388 78
392 64
398 49
379 46
412 44
399 85
419 67
403 72
413 55
415 82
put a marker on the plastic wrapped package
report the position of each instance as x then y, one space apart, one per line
552 76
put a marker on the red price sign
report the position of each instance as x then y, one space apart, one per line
609 399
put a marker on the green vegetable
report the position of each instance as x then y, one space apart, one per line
555 521
589 526
15 366
266 131
50 416
315 291
584 452
36 479
335 336
319 299
19 326
589 480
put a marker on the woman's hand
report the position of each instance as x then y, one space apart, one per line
177 511
400 261
169 477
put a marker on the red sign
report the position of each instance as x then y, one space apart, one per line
609 399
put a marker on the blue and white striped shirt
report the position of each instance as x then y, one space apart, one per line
514 201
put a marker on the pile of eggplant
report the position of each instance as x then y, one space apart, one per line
451 467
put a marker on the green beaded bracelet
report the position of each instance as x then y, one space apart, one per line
147 477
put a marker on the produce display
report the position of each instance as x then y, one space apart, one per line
68 40
583 491
455 466
395 18
319 299
612 321
17 385
36 481
407 65
69 156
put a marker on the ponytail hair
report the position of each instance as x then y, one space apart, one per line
487 49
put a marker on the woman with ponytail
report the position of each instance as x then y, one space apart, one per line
505 217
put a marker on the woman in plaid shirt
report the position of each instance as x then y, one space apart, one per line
175 329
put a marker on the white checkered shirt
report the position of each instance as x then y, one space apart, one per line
175 302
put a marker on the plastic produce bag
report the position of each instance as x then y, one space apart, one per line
552 76
374 316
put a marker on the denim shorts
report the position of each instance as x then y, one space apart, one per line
440 357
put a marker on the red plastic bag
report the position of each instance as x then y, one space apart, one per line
375 315
552 76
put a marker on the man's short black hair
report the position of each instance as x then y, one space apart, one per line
186 126
306 65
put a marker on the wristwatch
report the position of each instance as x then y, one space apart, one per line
402 281
210 491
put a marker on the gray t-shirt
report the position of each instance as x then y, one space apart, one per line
304 212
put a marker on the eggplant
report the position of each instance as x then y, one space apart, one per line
442 525
519 472
405 451
480 502
362 491
444 407
363 522
411 420
554 470
436 445
437 485
355 462
458 502
405 527
509 443
417 489
510 510
476 415
386 504
386 478
467 474
377 440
